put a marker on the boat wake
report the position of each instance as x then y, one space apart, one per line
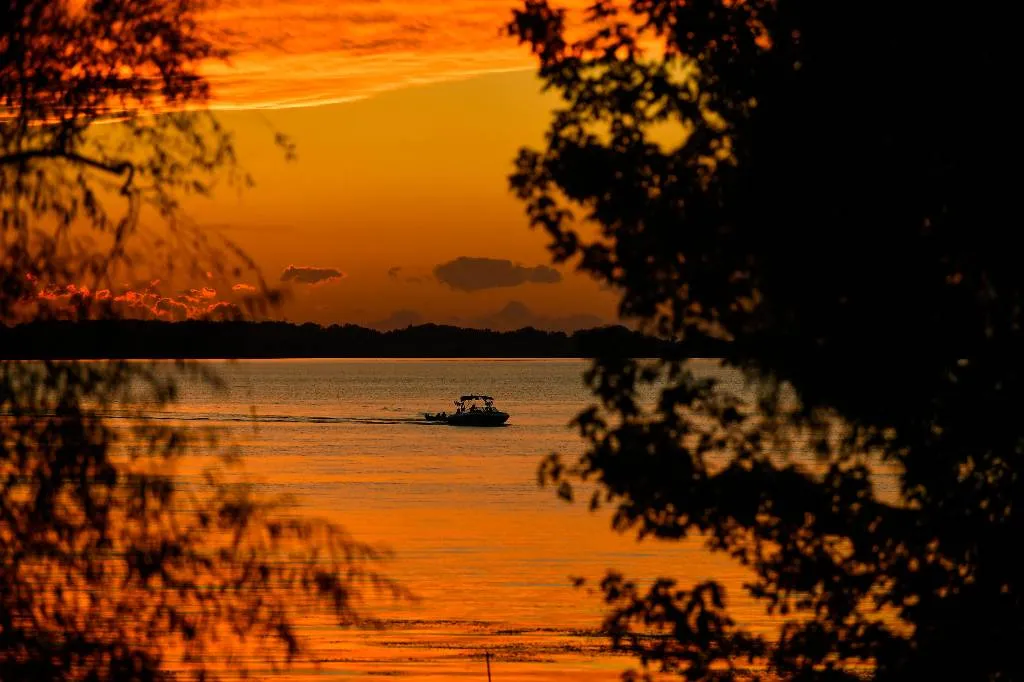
277 419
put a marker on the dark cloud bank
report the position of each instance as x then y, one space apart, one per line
310 275
515 315
474 274
400 319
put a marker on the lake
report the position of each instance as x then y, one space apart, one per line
488 551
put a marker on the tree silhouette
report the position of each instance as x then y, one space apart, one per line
110 567
826 187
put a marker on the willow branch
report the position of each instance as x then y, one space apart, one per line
118 168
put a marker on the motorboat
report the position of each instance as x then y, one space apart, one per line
471 410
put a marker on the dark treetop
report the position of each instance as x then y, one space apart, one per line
110 569
832 187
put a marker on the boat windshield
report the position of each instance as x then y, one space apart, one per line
471 403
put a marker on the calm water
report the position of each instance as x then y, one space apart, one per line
489 552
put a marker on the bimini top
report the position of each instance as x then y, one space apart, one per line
475 397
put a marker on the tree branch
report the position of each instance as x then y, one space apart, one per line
119 168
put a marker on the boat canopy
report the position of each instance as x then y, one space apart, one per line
475 397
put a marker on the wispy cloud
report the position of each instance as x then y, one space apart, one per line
306 52
402 274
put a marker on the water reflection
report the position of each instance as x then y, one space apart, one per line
489 553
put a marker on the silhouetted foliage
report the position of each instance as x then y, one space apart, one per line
121 339
825 186
110 567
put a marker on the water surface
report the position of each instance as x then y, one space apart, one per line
489 552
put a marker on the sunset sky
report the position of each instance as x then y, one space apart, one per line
407 116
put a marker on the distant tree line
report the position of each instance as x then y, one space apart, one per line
57 339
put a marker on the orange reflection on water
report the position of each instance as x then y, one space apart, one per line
490 578
489 554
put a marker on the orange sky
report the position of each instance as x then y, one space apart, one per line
407 116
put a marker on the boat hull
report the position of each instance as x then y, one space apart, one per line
471 419
478 419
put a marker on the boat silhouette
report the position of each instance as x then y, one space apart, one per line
469 412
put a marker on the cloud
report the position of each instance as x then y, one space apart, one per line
400 319
516 315
311 275
144 302
244 289
304 52
396 273
473 274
